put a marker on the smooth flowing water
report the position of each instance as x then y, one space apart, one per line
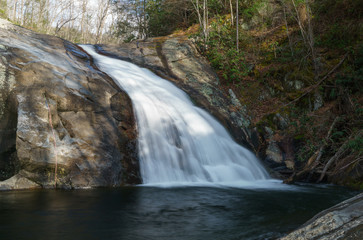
148 213
178 142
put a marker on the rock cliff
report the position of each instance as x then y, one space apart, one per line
93 122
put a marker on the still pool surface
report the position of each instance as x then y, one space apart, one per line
139 213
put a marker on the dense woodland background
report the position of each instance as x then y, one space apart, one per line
300 60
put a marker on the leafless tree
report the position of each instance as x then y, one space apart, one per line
202 13
103 11
231 7
237 26
302 14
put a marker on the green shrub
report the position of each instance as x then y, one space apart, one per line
356 145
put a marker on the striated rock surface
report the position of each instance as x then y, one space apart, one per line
343 221
92 118
177 59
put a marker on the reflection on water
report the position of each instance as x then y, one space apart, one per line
139 213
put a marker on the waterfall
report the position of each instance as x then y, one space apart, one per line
178 142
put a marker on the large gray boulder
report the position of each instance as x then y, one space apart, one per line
92 119
18 182
343 221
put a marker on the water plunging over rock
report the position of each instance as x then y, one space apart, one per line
178 142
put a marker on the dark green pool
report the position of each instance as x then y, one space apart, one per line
140 213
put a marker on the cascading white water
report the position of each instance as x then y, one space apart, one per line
178 142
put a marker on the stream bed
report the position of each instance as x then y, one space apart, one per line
163 213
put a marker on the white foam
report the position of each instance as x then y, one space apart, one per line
268 184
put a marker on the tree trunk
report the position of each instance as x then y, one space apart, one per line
102 14
231 7
302 30
205 20
237 25
287 31
14 10
312 42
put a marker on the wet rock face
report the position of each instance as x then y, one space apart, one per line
8 121
93 121
280 152
343 221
